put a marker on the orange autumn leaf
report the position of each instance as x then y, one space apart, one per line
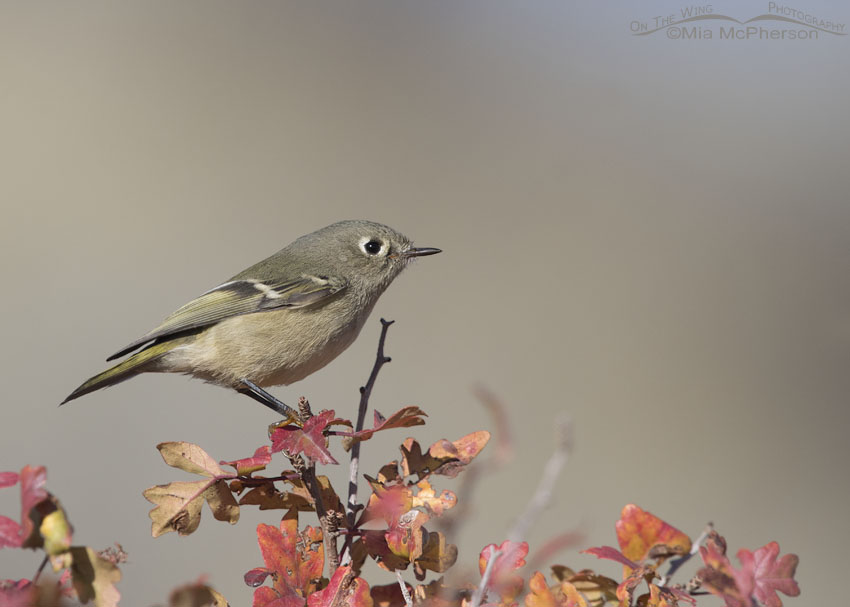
427 498
539 594
641 534
560 595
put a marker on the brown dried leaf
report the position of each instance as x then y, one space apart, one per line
196 594
443 457
268 498
189 457
94 578
178 505
437 555
300 498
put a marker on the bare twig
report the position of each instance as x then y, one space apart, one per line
40 569
676 563
543 493
309 478
408 602
354 468
330 531
478 596
327 519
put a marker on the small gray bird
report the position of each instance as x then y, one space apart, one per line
278 321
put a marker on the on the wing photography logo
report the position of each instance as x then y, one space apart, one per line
702 22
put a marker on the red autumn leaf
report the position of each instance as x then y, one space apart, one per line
403 418
10 533
18 593
7 479
267 597
607 552
388 502
770 575
247 465
642 534
256 576
343 589
294 560
309 440
510 557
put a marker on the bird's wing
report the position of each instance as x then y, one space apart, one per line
241 297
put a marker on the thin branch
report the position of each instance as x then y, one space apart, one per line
354 468
253 481
478 596
330 531
543 493
40 569
309 478
408 602
327 519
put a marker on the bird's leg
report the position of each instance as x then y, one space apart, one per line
260 395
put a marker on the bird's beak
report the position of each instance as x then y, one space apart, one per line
420 252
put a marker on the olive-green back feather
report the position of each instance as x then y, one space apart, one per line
244 296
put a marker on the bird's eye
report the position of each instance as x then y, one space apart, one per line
372 247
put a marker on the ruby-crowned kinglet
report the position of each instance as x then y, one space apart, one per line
278 321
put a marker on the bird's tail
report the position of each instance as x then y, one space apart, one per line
140 362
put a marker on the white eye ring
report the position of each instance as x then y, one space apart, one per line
373 247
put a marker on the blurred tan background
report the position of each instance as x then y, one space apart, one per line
652 235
